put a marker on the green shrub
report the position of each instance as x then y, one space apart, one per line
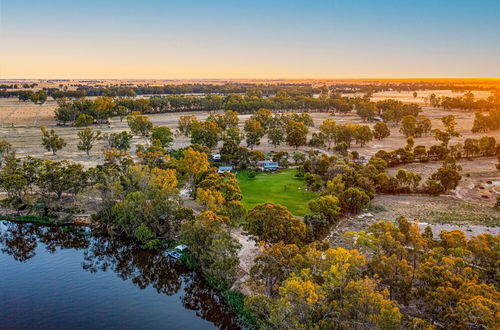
84 120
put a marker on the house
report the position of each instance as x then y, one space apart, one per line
223 169
216 157
270 166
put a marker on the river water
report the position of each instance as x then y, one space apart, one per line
66 278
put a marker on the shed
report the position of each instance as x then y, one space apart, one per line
223 169
216 157
270 166
181 247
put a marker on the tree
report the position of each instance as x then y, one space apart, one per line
415 95
205 133
296 133
194 162
298 157
164 180
487 146
163 135
366 110
120 141
450 124
61 177
233 135
272 223
424 126
214 249
210 198
103 109
15 185
66 111
381 130
121 112
444 137
24 96
139 124
51 141
362 134
276 136
409 126
87 139
329 129
274 265
39 97
226 184
231 118
317 226
354 199
5 149
328 206
185 124
254 132
482 123
263 116
448 176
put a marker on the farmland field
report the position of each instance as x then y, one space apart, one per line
280 188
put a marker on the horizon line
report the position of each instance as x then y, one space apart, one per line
257 78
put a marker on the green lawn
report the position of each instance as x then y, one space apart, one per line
279 188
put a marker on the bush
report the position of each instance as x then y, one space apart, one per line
434 187
84 120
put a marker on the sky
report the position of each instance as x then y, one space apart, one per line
153 39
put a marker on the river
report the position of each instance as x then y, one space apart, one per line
67 278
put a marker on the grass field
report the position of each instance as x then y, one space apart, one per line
279 188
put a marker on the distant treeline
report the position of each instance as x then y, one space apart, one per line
16 86
249 89
131 91
407 87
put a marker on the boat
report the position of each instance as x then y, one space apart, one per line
174 254
177 252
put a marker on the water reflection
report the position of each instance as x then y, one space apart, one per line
130 263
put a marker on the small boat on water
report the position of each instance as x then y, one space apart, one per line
177 252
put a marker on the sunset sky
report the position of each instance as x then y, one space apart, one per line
249 39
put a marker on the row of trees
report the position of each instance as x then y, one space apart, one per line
486 123
125 90
391 111
39 97
483 147
466 102
84 112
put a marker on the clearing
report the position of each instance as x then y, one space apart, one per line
281 187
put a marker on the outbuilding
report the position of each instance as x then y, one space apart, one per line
270 166
216 157
223 169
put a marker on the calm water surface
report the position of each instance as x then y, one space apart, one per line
65 278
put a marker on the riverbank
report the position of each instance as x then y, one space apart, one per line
29 219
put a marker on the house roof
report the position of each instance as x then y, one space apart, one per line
225 168
270 164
